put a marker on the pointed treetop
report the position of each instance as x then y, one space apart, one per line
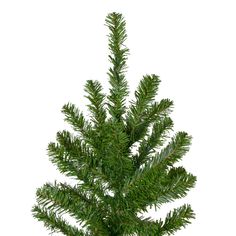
118 57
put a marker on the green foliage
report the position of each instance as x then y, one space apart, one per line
55 223
177 219
113 183
118 58
96 97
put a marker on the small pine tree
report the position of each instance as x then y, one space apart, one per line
114 183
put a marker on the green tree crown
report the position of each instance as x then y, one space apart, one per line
114 183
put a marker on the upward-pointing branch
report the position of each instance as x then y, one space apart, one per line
118 58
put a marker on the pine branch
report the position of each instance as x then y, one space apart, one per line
62 198
177 219
142 183
118 58
174 221
156 139
145 94
158 109
137 129
174 185
77 120
68 155
55 223
175 150
75 148
143 226
74 158
158 187
58 157
96 97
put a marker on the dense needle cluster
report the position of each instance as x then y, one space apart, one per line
114 183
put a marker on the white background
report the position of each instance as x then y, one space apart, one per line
48 49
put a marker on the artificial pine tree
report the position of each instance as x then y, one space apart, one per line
113 182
